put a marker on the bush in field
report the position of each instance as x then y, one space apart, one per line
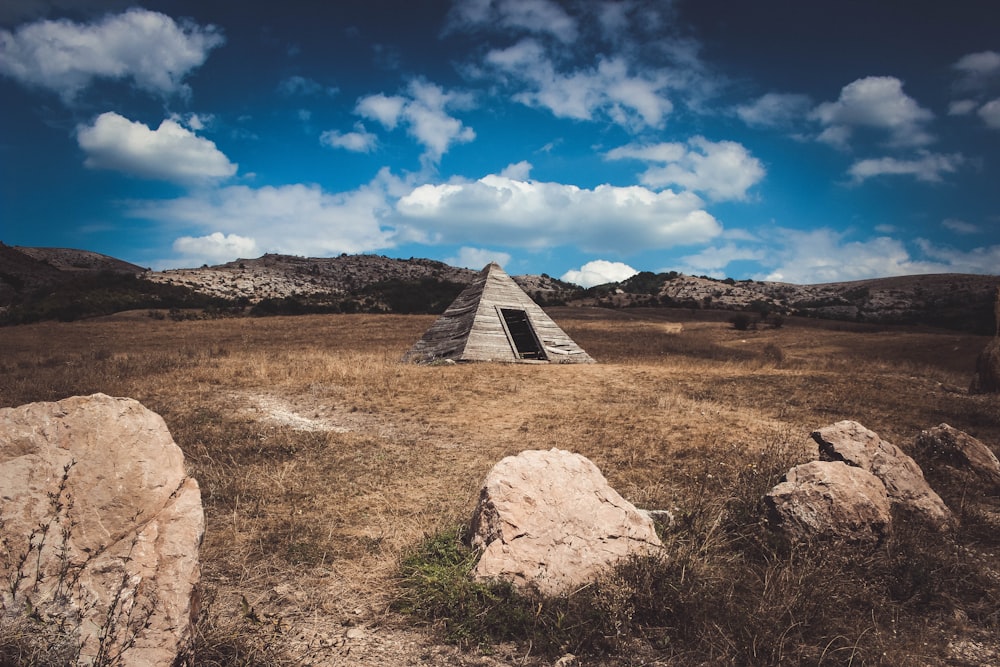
743 322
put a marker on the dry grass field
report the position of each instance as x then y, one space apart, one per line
323 462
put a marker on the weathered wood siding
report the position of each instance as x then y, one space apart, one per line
471 328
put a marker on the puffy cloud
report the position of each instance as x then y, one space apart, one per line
477 258
928 167
292 219
382 108
519 171
608 89
216 248
721 170
990 113
425 114
169 153
358 141
148 48
533 16
875 102
978 71
532 214
599 272
775 110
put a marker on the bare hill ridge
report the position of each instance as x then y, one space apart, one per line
375 283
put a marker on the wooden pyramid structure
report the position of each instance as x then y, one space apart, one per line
494 320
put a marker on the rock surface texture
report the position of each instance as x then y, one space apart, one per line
101 528
987 379
961 451
855 445
829 500
548 522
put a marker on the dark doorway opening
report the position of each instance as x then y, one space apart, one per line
522 335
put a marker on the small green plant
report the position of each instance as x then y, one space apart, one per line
437 586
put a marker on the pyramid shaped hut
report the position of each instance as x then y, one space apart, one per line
494 320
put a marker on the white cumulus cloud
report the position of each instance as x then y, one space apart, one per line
927 167
533 214
599 272
990 113
148 48
358 141
477 258
215 248
386 109
610 88
876 102
170 153
293 219
425 113
978 71
723 170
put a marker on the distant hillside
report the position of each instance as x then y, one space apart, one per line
347 282
79 261
58 283
25 270
957 301
67 284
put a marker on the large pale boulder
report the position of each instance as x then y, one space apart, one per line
548 522
829 500
852 443
101 526
960 451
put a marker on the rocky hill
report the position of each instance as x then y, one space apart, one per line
959 301
370 281
25 270
45 283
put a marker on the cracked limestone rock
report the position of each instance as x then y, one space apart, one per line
961 452
548 522
829 500
101 528
855 445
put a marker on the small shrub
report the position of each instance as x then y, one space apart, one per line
224 639
743 322
773 354
436 586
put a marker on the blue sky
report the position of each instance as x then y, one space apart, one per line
798 141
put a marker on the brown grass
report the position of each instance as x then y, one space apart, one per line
323 460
